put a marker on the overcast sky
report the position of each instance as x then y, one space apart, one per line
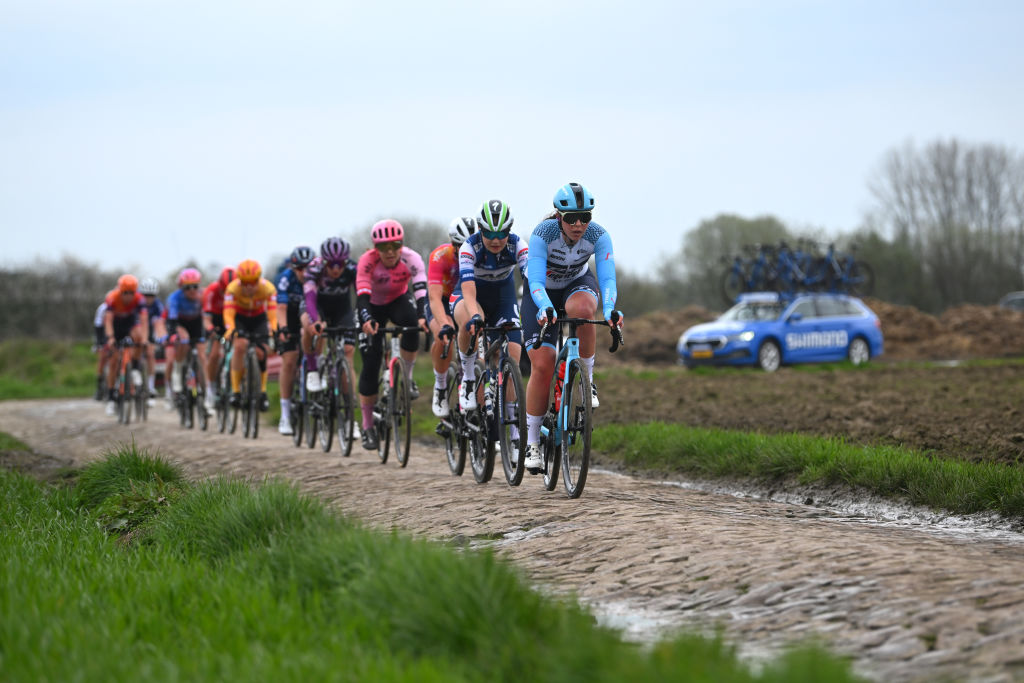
137 134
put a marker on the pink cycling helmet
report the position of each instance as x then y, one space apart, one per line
189 276
387 231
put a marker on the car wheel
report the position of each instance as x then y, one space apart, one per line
769 357
858 353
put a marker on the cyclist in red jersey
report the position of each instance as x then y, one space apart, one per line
213 322
442 276
125 317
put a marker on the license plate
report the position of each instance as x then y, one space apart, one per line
704 353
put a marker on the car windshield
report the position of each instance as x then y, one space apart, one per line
753 310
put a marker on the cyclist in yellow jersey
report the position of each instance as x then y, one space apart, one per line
249 304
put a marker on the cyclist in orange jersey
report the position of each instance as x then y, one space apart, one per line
125 316
249 304
213 323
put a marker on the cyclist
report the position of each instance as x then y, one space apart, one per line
125 316
102 351
213 323
289 326
486 293
442 276
384 276
558 279
250 304
150 288
185 322
328 289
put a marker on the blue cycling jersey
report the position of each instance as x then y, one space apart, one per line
180 307
553 263
478 264
289 289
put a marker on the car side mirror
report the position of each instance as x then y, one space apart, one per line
796 317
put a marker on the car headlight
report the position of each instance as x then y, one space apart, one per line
745 336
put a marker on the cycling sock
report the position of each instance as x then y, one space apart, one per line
367 407
236 381
468 365
588 363
263 381
311 363
411 366
533 428
440 378
286 407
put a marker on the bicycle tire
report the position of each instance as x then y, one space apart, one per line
312 419
200 393
297 407
189 383
552 459
509 377
400 414
455 443
732 286
124 405
481 448
251 396
328 402
861 279
223 395
345 416
141 396
577 432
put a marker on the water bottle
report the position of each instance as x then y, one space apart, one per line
558 385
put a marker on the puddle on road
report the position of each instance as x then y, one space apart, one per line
875 512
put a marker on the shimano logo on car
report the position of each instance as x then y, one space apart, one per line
816 340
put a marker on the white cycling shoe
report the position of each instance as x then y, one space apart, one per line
534 458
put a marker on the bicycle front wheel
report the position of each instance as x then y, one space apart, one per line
577 424
124 396
252 398
511 416
345 406
328 402
399 409
454 441
861 280
142 395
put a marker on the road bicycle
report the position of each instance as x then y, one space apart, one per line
468 432
508 407
130 388
222 384
191 400
332 409
392 411
566 427
845 274
251 386
753 272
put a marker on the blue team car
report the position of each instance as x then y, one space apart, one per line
768 329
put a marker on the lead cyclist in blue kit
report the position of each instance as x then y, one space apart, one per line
558 279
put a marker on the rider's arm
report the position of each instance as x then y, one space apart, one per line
309 292
108 323
272 308
418 281
435 293
605 259
230 309
537 272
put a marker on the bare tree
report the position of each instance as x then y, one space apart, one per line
959 209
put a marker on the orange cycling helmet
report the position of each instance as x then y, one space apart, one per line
127 284
189 276
249 271
388 230
226 276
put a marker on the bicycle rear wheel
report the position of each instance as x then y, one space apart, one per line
511 423
552 455
345 405
200 394
576 432
223 397
297 409
861 280
455 443
399 411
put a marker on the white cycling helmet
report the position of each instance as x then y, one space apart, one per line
149 286
461 228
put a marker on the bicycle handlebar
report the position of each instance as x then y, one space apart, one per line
616 332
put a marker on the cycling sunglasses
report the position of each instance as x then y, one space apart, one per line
190 287
335 264
389 246
494 234
577 217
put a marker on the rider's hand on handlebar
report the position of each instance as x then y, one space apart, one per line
615 319
475 322
446 332
548 315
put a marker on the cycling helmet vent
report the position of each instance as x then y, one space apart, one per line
301 256
461 228
495 216
149 286
334 249
387 230
573 197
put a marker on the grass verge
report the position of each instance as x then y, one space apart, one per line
956 486
228 581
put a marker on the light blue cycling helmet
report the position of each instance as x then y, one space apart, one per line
573 197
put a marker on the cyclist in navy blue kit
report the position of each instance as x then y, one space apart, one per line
486 291
558 279
289 326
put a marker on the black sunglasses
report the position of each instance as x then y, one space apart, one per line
191 287
577 217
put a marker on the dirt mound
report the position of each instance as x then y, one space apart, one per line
960 333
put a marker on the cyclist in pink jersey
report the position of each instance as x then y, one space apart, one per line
385 276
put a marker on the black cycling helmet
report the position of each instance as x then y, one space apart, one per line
301 256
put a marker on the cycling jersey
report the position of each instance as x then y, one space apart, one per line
443 268
180 307
331 297
478 263
156 309
383 285
258 301
121 309
100 312
289 289
213 298
553 264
